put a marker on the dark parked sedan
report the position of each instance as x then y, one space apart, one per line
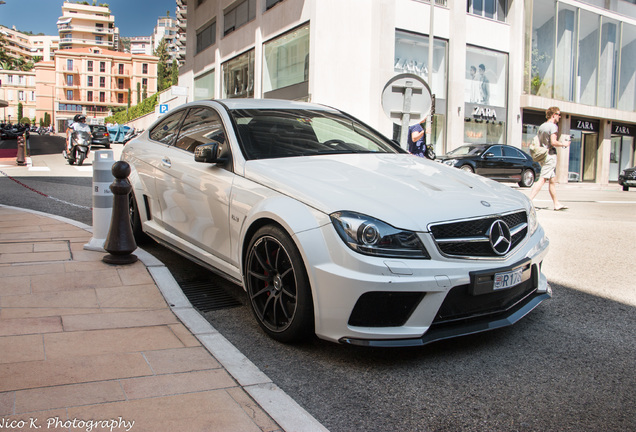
100 136
498 162
627 178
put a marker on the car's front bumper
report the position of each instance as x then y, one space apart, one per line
416 289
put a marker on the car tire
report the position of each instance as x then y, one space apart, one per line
625 188
135 221
527 178
278 287
467 168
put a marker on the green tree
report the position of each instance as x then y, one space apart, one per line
20 108
47 119
138 92
174 72
163 66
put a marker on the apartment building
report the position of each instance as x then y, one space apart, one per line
18 44
92 81
532 55
182 25
17 87
141 45
166 29
82 26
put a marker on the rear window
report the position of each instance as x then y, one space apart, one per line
98 128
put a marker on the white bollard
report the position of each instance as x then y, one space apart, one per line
102 199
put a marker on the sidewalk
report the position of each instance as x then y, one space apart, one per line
89 346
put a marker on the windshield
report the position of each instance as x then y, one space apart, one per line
265 134
467 150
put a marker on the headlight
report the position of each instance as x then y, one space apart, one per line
371 236
623 172
450 162
533 222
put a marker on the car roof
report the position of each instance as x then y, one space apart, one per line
270 104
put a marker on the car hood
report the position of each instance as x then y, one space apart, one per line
405 191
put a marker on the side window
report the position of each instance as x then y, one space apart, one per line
512 152
166 131
495 150
201 126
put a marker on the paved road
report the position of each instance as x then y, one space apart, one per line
569 366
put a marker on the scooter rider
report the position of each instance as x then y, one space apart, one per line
78 125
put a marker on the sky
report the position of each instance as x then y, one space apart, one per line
133 17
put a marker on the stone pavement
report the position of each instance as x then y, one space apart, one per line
86 345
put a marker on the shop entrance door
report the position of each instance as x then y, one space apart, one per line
590 152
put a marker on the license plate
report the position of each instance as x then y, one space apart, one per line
507 279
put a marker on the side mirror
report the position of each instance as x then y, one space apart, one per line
208 153
489 155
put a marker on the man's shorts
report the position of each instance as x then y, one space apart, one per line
548 168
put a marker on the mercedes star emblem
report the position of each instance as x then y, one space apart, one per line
500 238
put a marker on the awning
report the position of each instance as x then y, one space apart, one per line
64 20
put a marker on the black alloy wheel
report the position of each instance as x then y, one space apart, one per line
278 286
135 220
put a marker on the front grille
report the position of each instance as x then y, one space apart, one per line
384 308
469 238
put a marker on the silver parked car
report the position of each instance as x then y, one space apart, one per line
331 228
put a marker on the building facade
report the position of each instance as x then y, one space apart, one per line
492 74
17 87
141 45
93 81
82 26
30 47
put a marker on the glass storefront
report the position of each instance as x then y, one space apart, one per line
238 76
584 149
485 93
286 65
204 86
411 56
622 152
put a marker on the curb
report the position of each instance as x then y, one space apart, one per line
285 411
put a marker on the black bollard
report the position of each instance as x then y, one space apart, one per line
20 158
120 242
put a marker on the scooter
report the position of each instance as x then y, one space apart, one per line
133 133
430 152
80 147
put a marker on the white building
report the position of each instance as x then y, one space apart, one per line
533 55
141 45
166 28
83 26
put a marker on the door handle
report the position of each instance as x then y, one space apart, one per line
166 162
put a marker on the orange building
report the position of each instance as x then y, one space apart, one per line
92 81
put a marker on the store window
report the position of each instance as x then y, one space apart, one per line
608 62
204 86
627 86
238 76
622 149
540 48
411 56
485 96
492 9
588 57
286 65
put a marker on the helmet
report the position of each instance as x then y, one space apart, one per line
79 117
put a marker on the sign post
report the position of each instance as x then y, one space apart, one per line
406 100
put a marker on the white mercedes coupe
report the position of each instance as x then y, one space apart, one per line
331 228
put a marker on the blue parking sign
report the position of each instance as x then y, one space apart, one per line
163 108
